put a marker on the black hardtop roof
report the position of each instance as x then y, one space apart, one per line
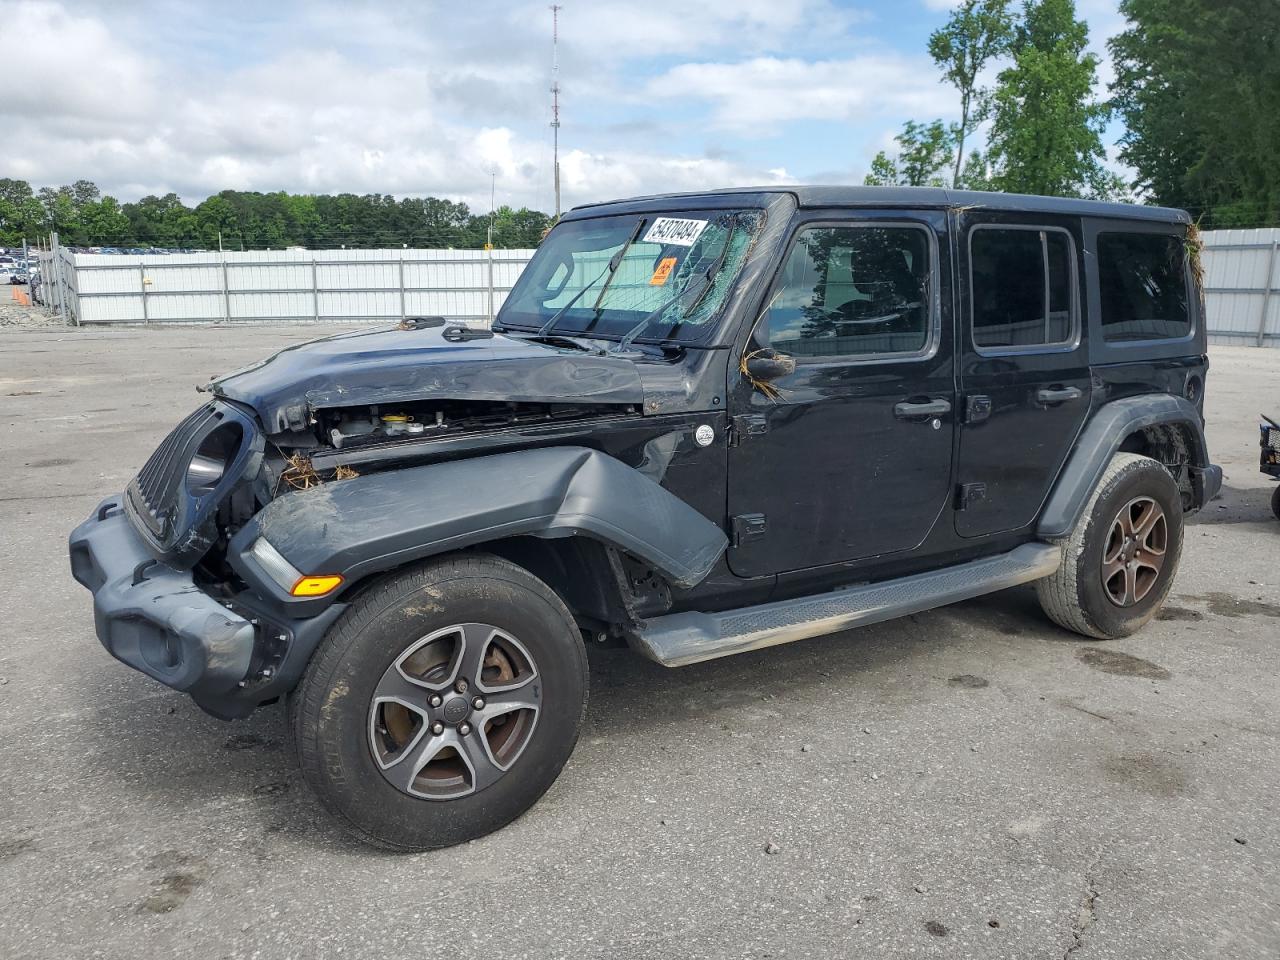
930 197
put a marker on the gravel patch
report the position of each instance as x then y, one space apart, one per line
14 314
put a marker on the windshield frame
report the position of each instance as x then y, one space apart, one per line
685 334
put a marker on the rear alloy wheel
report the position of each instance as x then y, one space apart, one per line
1119 562
442 704
1135 552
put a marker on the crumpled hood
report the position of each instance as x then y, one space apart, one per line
395 365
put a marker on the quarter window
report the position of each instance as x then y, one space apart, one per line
1022 288
1143 282
854 292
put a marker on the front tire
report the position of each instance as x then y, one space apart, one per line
1275 502
1119 562
442 704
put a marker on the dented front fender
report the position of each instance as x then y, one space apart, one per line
367 524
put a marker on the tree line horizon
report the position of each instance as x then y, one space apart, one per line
1197 89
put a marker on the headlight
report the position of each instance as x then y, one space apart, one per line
211 459
290 579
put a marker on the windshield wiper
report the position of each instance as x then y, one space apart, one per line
608 271
703 284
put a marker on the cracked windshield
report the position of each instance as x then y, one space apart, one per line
651 276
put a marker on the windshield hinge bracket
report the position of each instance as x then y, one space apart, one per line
745 426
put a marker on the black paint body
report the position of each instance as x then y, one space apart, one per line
848 490
823 481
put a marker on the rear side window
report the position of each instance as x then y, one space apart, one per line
1022 287
855 292
1143 282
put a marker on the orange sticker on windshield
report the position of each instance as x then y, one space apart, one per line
665 266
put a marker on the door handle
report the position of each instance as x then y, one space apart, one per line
922 410
1058 394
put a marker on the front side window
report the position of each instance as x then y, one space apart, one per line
660 274
1022 289
1143 281
853 292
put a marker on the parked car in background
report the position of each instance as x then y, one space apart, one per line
20 274
701 424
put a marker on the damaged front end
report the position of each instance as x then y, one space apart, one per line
179 598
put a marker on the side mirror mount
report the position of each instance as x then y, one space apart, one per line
767 364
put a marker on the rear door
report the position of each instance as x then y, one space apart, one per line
849 456
1024 369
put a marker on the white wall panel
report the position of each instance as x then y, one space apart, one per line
1242 286
266 285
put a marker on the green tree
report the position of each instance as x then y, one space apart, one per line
83 193
883 173
924 151
21 214
161 221
1046 130
60 212
1198 85
250 219
217 221
104 221
976 174
978 32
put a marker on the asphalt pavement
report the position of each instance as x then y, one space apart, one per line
970 782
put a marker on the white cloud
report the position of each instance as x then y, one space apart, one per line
328 96
637 29
757 96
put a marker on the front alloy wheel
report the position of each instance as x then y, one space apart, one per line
442 704
454 711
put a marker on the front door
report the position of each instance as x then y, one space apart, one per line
1024 370
849 456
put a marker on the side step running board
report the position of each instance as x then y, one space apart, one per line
678 639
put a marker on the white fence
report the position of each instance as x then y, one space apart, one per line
280 285
1242 285
1242 289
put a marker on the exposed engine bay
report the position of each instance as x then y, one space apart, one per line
347 429
347 441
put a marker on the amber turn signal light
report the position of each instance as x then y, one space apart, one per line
316 586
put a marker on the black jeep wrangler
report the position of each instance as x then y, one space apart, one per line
701 424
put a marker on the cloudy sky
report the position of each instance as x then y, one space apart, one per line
430 97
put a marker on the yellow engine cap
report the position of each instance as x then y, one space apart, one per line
316 586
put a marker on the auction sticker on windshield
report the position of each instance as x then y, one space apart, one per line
672 230
660 275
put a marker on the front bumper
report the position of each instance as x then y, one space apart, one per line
152 616
229 656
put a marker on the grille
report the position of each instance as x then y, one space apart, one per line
1271 438
154 492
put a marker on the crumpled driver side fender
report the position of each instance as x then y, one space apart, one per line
371 523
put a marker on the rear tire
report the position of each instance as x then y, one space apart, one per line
386 723
1119 562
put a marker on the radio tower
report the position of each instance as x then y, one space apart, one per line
555 98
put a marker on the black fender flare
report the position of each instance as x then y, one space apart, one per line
372 523
1099 441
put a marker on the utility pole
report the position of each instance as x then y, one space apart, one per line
555 97
488 243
